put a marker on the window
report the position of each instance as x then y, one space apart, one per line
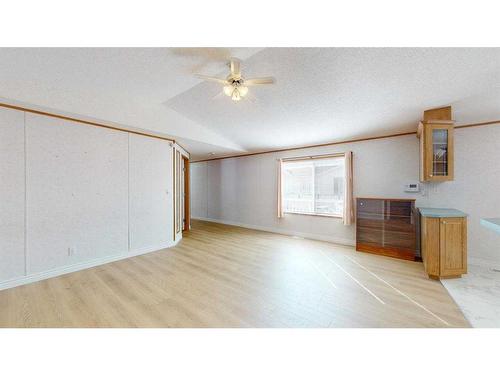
314 186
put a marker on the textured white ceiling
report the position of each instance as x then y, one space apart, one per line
321 95
127 86
330 94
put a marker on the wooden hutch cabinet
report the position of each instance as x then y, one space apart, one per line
436 145
386 227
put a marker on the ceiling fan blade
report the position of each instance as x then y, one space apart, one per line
213 79
235 67
219 95
251 97
259 81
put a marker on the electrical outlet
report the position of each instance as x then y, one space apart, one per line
71 251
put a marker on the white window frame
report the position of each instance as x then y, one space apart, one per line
310 158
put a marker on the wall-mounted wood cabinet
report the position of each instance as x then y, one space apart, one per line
444 244
436 145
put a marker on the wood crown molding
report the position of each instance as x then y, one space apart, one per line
87 122
92 123
304 147
494 122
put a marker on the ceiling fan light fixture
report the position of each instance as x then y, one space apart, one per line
243 90
228 90
236 95
234 85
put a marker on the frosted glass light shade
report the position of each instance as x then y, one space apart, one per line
236 95
228 90
243 90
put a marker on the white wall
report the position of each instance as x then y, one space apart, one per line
12 191
476 188
80 195
242 190
76 192
150 193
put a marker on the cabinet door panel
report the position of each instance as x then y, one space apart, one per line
370 223
397 209
438 152
430 245
453 242
399 240
370 206
400 224
371 236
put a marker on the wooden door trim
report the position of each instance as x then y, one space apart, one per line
178 214
187 195
174 155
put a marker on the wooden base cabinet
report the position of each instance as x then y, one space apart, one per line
444 246
386 227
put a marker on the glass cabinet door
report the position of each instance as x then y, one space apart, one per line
439 152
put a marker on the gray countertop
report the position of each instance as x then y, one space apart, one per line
493 223
441 212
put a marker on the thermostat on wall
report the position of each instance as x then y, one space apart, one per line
412 187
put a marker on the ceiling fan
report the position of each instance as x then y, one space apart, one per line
235 85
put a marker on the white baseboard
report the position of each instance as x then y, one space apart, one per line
482 262
80 266
312 236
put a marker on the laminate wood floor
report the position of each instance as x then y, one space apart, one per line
225 276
